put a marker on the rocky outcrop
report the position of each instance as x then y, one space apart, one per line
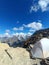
14 56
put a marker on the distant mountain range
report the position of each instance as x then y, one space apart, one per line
15 41
25 40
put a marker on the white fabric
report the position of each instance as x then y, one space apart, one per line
41 49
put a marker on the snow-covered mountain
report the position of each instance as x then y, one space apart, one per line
15 40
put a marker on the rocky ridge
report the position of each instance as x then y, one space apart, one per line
43 33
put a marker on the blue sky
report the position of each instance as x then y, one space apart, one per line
23 16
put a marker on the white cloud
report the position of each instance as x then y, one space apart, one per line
22 34
34 25
20 28
42 4
6 35
15 34
29 33
19 35
15 28
32 30
34 8
7 31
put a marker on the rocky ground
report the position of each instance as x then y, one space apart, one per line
14 56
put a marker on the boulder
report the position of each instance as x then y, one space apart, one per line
14 56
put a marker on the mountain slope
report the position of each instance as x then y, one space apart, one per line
37 36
